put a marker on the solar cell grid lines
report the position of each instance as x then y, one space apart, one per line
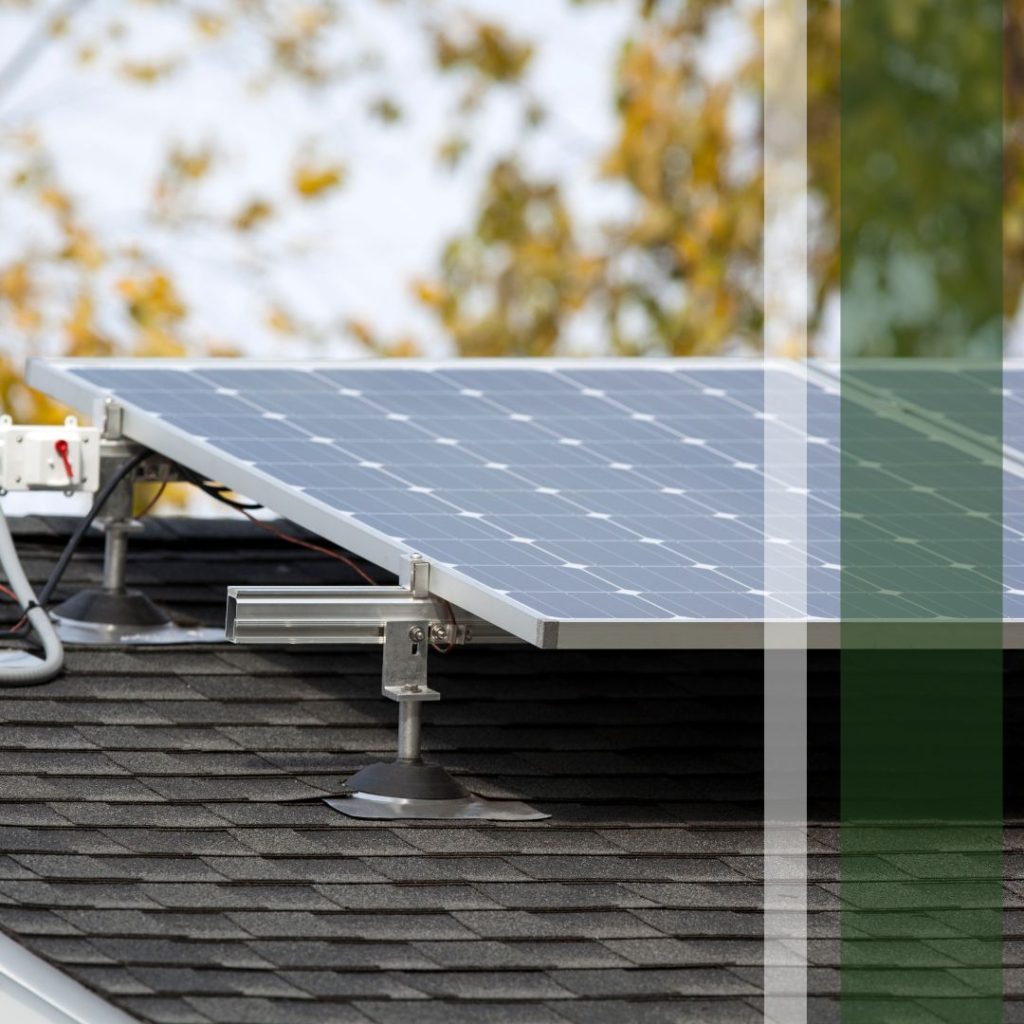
627 497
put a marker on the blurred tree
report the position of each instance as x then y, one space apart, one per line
672 264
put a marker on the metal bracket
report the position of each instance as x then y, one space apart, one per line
407 621
347 615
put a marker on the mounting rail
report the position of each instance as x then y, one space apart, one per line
346 615
407 623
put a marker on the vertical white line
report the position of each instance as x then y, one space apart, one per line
786 295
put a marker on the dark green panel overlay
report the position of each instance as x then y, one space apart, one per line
921 544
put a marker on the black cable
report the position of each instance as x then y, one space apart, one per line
75 539
216 491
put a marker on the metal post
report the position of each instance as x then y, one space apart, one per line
409 727
115 557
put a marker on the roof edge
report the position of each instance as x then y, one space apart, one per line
33 991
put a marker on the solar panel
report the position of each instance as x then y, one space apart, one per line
594 504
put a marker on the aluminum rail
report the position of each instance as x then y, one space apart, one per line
346 615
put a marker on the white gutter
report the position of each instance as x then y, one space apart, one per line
33 991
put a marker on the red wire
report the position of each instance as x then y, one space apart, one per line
7 592
281 535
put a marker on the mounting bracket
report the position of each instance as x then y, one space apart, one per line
407 622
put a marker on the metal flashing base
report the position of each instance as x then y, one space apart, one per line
74 631
415 789
100 616
391 808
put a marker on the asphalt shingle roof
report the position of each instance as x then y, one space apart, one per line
163 839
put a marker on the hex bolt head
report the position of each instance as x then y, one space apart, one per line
416 634
439 634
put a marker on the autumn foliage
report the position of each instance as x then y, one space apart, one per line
674 268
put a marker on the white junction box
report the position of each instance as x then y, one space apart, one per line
64 458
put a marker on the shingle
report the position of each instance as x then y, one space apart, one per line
127 737
69 950
238 896
485 954
718 842
104 815
648 868
700 895
31 814
349 985
445 869
36 922
697 923
278 1011
561 895
11 869
340 841
506 984
115 980
186 762
408 896
305 815
59 762
70 840
335 955
444 1012
259 788
163 951
178 869
581 924
66 895
344 926
193 842
162 1010
42 737
688 1011
645 982
670 952
100 788
217 981
321 870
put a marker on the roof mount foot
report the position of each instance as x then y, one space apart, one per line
99 616
409 787
112 614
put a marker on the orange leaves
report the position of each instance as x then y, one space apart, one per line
154 305
149 72
315 179
483 47
19 296
83 336
509 287
252 215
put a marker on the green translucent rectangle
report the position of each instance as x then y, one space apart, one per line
922 502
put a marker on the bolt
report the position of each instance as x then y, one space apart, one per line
411 688
468 634
439 634
416 635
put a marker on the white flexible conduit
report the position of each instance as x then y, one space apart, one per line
28 670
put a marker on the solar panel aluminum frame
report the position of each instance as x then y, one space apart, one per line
57 378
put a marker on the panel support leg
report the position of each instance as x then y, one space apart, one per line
409 787
113 614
